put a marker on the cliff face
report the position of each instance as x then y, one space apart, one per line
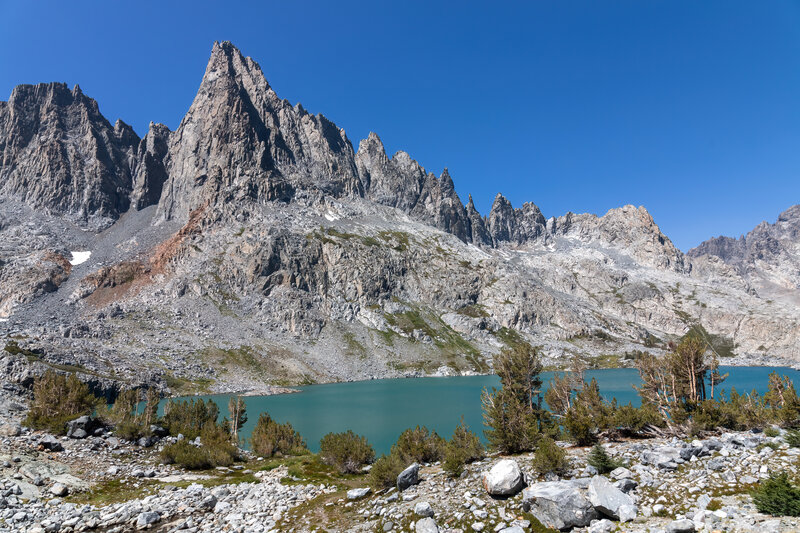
254 245
59 153
768 257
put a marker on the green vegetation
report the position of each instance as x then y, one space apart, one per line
189 417
419 445
550 457
129 423
346 451
777 496
217 450
385 471
598 457
792 438
464 447
514 414
57 399
269 438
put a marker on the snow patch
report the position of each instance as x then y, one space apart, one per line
332 216
79 258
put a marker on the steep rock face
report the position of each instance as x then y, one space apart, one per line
239 140
402 183
151 173
480 234
58 152
507 224
768 256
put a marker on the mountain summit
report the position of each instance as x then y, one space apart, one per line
254 246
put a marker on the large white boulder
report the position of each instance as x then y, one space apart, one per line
504 479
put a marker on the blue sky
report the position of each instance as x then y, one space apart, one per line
689 108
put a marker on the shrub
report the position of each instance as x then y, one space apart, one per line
346 451
419 445
777 496
771 432
57 399
550 457
599 458
216 450
385 470
270 438
464 447
633 420
188 417
124 415
792 438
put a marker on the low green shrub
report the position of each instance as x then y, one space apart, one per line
216 450
771 432
550 457
57 399
777 496
385 470
419 445
464 447
346 451
598 457
269 438
792 438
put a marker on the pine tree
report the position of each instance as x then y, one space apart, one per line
514 413
238 412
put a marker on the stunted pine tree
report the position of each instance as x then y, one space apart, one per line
514 413
58 399
677 381
238 412
559 395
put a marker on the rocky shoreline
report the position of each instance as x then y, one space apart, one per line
101 483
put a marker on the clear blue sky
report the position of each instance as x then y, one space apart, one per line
689 108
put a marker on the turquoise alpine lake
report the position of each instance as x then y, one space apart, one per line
381 409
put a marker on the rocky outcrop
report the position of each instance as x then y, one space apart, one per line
240 141
151 172
402 183
768 257
58 152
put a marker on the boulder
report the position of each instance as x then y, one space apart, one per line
681 526
82 427
426 525
621 473
158 431
512 529
408 477
147 519
607 498
559 505
603 526
626 485
357 494
59 489
717 463
10 429
627 513
423 509
51 444
504 479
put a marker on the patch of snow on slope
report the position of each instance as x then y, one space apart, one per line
79 257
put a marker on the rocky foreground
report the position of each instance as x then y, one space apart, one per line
100 483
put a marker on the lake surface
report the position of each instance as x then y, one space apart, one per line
382 409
